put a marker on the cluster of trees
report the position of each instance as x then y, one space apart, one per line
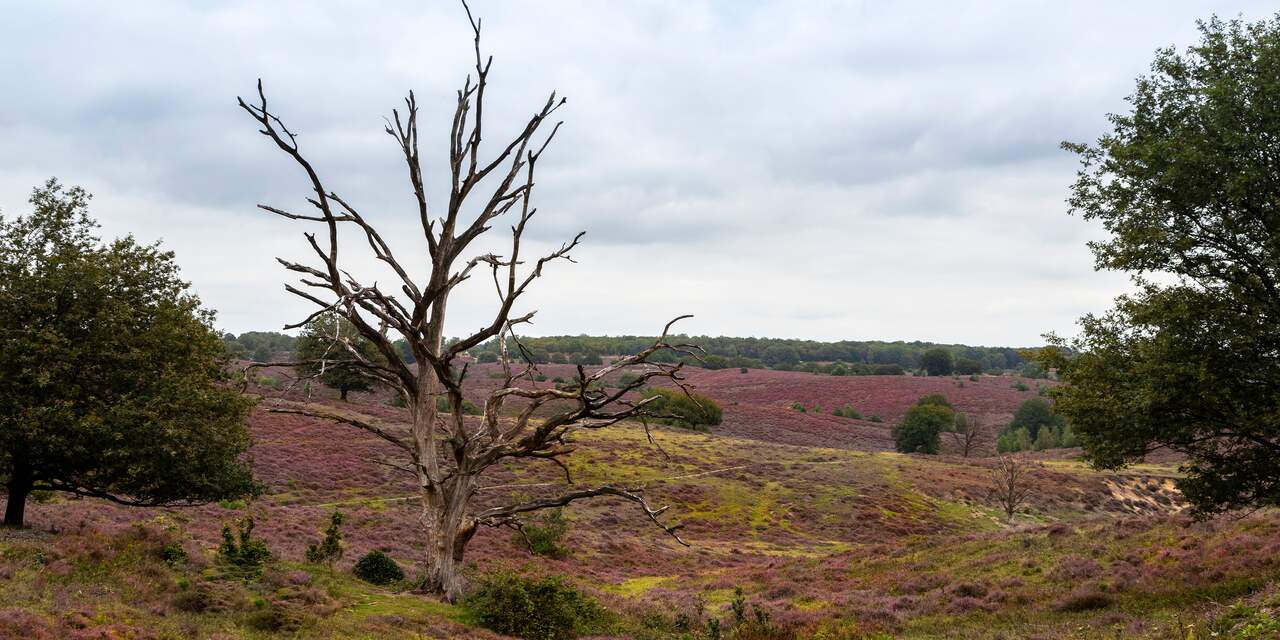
1035 426
727 352
260 346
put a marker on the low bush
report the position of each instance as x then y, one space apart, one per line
240 554
378 568
329 549
676 408
544 536
547 608
1084 600
468 408
848 412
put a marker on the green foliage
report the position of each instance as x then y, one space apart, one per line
674 407
329 549
1019 386
1034 414
240 554
260 346
469 408
798 406
112 380
547 608
378 568
324 349
545 535
1015 440
848 411
937 362
968 366
1187 185
921 425
875 418
174 554
856 357
934 399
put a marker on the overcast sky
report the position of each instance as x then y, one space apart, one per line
856 170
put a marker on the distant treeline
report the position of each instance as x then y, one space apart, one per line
846 357
260 346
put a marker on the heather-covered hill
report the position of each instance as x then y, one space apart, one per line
762 404
829 541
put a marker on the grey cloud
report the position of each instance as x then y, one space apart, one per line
846 158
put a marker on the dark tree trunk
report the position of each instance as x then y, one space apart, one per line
20 482
343 392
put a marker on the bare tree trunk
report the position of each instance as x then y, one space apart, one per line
453 530
20 483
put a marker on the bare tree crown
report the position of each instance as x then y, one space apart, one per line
445 452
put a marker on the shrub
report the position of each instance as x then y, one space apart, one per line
798 407
742 369
378 568
241 554
543 538
1084 600
468 408
546 608
1018 386
674 407
173 554
848 412
875 418
329 549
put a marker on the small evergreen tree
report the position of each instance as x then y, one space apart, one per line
239 553
329 549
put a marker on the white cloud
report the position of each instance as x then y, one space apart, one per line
823 170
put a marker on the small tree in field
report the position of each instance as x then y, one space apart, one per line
921 425
322 353
446 453
111 375
1012 484
966 434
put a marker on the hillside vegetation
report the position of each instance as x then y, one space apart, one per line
827 541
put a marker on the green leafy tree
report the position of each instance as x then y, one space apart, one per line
111 376
1014 440
330 350
921 425
968 366
1033 415
330 548
937 362
240 554
1187 185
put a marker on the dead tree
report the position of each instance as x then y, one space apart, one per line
1013 484
445 452
966 435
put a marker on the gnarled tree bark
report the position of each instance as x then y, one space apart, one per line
445 452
